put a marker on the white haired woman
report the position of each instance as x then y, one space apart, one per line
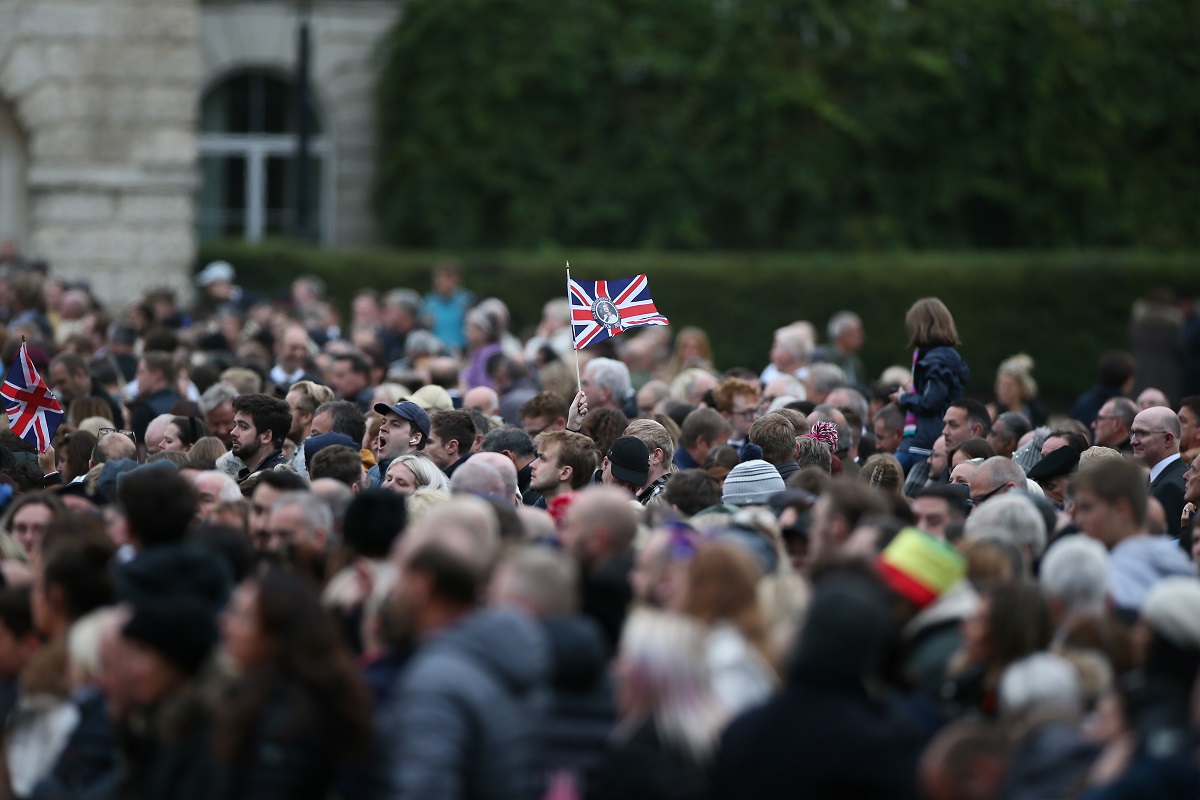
670 718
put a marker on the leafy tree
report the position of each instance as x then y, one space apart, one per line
785 124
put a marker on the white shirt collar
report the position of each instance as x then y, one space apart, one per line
280 377
1160 466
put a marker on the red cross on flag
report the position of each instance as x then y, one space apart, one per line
33 412
602 309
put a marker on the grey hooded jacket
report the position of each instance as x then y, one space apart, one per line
466 716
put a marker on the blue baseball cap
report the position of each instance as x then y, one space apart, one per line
407 410
315 444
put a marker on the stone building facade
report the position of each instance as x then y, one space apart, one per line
98 138
124 135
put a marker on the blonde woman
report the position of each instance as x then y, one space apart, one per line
722 594
1016 390
669 717
412 471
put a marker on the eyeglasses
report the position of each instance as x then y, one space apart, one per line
1138 433
981 498
749 413
106 431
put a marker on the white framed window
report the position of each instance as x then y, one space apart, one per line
248 147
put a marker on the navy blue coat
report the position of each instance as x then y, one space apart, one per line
939 378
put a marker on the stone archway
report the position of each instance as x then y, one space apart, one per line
13 187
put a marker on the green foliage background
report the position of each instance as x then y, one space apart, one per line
791 124
1063 308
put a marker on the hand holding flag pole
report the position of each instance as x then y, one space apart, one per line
578 379
578 408
603 309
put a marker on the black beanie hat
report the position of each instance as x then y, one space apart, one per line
174 570
181 629
374 520
845 633
176 592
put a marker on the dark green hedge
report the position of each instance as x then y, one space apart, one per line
791 124
1063 308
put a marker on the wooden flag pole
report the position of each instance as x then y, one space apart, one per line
578 379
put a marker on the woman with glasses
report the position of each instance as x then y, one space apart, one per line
28 517
182 433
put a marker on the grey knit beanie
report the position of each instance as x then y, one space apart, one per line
751 483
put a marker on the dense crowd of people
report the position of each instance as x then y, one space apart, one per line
275 552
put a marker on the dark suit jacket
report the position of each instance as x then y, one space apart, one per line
1168 488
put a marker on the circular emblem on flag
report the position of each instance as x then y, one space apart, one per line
605 312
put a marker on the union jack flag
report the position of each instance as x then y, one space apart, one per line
33 412
603 309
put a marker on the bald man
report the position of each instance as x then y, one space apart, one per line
1151 398
483 398
598 531
490 475
155 432
1155 438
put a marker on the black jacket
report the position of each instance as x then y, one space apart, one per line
288 756
606 595
820 743
168 755
1168 488
787 469
582 710
272 461
87 765
643 767
824 736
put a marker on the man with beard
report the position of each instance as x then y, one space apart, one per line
260 424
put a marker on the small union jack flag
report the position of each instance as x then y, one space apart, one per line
603 309
33 412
